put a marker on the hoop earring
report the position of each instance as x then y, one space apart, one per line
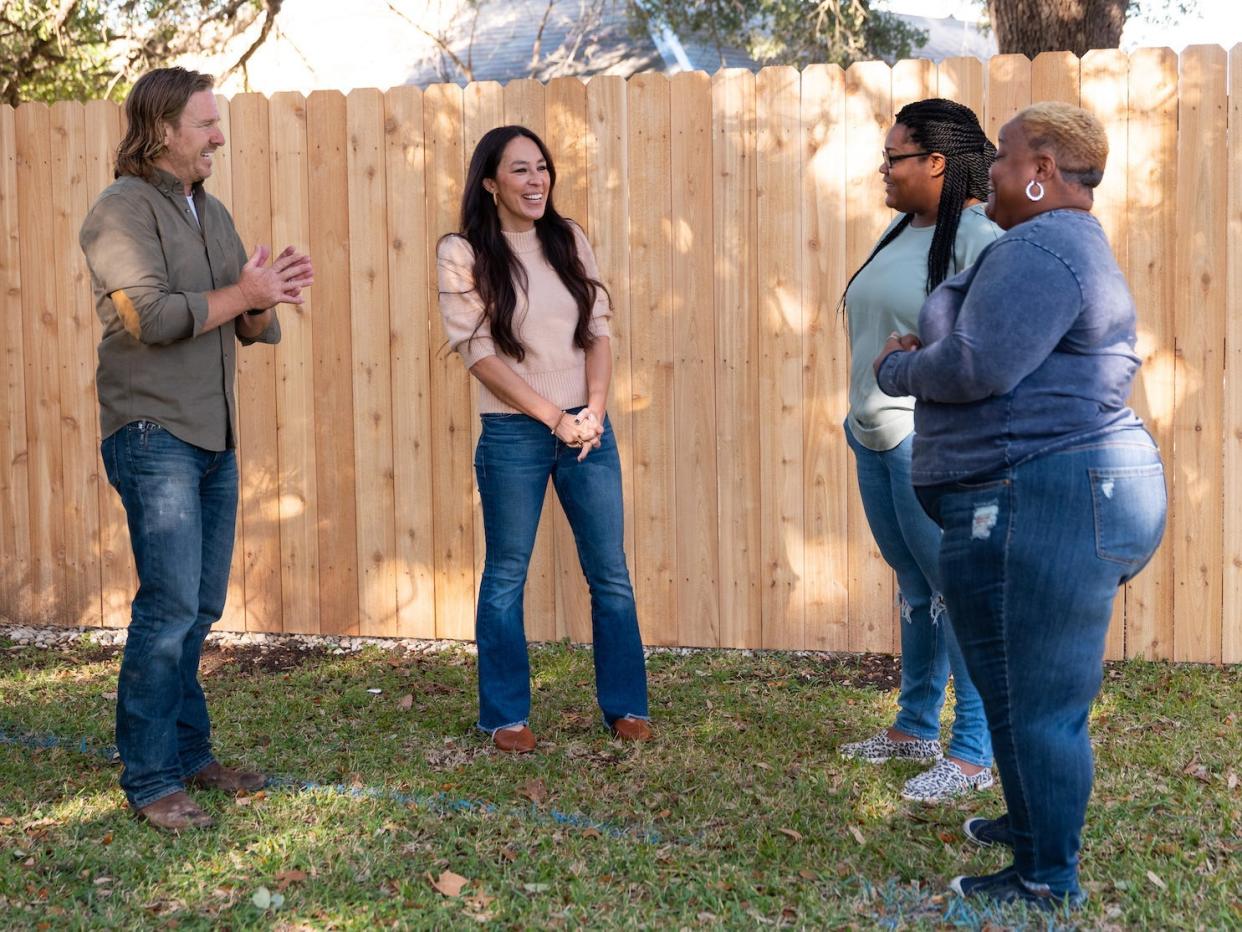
1030 195
496 200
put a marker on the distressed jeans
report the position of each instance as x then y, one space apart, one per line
910 543
1032 558
515 457
181 505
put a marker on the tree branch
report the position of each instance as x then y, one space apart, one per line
441 43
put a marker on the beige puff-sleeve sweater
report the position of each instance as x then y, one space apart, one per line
543 320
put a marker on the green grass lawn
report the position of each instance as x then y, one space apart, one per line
741 814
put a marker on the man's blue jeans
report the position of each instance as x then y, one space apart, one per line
181 506
1031 559
514 458
910 542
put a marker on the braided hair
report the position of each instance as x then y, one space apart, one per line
953 130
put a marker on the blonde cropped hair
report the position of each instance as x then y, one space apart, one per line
1075 138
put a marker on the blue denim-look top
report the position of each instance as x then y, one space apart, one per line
1028 350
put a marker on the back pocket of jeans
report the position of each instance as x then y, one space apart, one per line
1129 504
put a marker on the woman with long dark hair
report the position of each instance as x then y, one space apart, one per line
935 166
522 303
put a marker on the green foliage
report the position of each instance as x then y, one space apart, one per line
789 32
87 49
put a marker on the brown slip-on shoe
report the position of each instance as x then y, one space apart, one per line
217 777
175 812
514 740
632 729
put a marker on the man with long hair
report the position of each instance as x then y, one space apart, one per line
176 293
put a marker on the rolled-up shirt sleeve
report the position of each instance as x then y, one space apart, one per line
126 260
601 312
1021 302
465 325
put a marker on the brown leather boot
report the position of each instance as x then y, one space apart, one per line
632 729
175 812
217 777
519 740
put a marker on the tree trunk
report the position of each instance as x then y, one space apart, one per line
1033 26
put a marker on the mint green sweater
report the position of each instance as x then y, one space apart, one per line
885 297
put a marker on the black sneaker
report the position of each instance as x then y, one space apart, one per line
1007 887
989 832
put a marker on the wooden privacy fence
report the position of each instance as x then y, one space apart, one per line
727 213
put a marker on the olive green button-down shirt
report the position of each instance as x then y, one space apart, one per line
152 263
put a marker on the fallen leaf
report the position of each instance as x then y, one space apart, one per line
405 703
7 820
858 836
509 854
449 884
591 832
535 790
284 878
99 880
110 696
792 833
1155 878
106 840
807 874
536 887
1232 780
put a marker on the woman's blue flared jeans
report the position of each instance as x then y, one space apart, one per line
181 505
1031 560
515 457
910 543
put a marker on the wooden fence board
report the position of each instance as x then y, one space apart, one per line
607 210
1231 637
868 117
40 325
1152 190
119 581
80 463
483 110
257 452
1008 91
412 306
1056 76
15 541
525 105
452 455
1199 322
695 527
373 453
1105 92
566 121
962 79
736 237
651 339
332 351
913 79
779 190
827 474
220 186
297 507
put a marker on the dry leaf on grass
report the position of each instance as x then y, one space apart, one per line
405 703
284 878
535 790
449 884
791 833
1155 878
858 836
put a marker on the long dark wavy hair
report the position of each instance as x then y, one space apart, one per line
953 130
497 268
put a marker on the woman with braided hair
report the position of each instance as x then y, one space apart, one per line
935 169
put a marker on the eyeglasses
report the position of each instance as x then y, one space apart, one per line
890 160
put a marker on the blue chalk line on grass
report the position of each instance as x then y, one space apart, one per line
438 802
